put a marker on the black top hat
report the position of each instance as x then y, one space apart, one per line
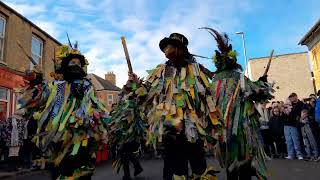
68 58
175 39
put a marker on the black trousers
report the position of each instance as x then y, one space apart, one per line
178 152
127 155
13 163
267 141
72 162
280 144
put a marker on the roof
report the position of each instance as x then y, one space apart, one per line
287 54
310 33
27 20
107 85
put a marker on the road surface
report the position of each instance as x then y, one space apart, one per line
279 170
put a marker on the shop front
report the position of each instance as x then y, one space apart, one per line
9 81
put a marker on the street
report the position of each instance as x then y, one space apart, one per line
279 170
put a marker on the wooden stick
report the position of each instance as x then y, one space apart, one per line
124 44
269 63
26 54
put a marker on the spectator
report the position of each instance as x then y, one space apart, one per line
292 108
264 128
13 136
281 103
317 108
309 140
28 147
276 125
313 96
3 147
274 104
311 107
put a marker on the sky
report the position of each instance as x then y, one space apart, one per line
98 25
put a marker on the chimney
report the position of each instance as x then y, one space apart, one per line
110 76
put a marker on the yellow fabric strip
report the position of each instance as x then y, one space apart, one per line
61 155
192 93
62 125
85 142
190 70
204 79
53 93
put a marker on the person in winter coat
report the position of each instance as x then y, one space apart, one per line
309 140
276 125
27 151
264 128
293 108
13 136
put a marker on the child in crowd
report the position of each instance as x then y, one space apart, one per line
276 125
309 140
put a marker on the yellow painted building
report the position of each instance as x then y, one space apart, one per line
312 41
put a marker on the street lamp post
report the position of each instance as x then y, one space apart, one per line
244 52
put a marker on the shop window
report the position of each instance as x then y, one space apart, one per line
4 103
36 50
2 36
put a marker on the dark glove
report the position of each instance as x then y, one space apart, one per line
263 78
34 78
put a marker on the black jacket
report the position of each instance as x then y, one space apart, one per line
276 125
294 116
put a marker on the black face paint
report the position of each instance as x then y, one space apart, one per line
74 72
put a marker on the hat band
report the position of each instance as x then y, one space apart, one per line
177 38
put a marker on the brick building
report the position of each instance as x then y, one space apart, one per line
312 41
37 43
106 89
290 72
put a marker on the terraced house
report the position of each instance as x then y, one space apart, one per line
14 29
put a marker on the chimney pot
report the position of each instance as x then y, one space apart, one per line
111 77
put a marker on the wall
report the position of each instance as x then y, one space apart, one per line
290 73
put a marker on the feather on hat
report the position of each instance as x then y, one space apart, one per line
224 58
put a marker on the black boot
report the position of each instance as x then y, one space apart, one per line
126 171
126 177
138 170
13 163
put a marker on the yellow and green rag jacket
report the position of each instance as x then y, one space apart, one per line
71 120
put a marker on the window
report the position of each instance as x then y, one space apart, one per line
36 50
110 100
2 34
4 103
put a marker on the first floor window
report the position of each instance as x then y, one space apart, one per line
36 50
2 35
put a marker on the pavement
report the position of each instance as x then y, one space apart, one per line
279 170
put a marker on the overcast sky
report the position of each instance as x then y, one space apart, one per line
99 24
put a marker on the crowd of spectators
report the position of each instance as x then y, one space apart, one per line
290 128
